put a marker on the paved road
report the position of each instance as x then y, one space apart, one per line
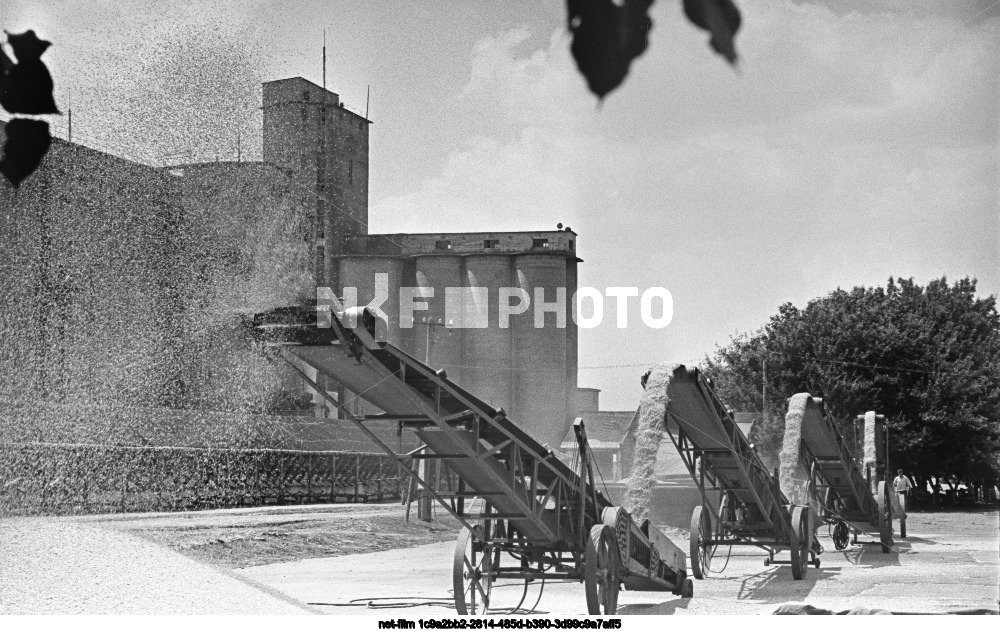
950 562
62 566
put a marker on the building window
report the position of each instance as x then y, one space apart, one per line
443 245
361 125
304 114
350 172
540 242
571 245
305 95
491 243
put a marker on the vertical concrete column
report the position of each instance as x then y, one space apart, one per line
361 272
539 353
572 341
486 352
435 340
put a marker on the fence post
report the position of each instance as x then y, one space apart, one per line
309 477
124 480
378 481
281 475
357 475
333 478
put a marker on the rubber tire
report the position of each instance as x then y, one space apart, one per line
687 588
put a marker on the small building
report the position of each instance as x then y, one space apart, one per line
610 434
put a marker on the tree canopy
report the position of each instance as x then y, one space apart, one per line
928 358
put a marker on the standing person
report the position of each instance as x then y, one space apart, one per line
902 487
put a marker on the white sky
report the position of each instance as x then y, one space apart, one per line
848 148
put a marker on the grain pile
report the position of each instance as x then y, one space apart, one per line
792 475
652 411
870 450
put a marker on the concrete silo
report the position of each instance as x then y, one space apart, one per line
362 272
434 340
486 353
540 353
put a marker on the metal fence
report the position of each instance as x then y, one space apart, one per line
38 478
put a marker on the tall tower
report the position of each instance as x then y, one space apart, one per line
309 132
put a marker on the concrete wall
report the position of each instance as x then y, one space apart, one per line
540 353
509 243
487 353
587 399
86 258
309 132
433 340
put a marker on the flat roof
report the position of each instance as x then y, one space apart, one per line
339 101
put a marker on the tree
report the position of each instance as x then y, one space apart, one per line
928 358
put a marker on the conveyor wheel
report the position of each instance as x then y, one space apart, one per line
471 573
601 571
884 517
799 542
701 545
841 535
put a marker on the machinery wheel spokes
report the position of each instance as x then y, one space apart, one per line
702 546
727 513
601 571
800 541
472 574
841 535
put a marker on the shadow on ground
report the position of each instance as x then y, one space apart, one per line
773 584
669 607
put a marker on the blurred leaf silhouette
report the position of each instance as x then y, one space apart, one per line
609 34
25 88
27 143
721 19
606 38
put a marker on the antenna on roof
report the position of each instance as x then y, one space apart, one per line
69 115
367 100
324 65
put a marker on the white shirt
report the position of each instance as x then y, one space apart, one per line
901 483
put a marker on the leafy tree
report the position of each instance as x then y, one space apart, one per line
928 358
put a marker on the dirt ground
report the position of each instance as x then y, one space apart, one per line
251 537
339 558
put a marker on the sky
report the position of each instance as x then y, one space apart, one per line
857 140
